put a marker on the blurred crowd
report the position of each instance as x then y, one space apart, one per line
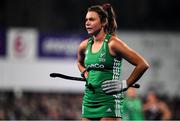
40 106
67 106
150 107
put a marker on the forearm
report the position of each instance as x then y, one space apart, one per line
166 116
166 112
137 74
81 67
116 86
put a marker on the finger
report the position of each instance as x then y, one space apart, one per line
109 85
110 88
107 88
113 91
109 82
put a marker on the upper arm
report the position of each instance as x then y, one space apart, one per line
81 52
121 50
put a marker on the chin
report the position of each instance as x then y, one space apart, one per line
93 32
90 33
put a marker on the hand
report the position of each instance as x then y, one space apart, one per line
114 86
84 74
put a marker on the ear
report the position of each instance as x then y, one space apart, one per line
105 23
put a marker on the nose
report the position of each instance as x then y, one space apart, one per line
87 23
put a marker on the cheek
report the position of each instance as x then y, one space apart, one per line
97 25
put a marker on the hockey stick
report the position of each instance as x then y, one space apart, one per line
67 77
54 75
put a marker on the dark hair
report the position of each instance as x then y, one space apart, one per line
106 12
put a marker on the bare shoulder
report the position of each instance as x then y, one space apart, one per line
114 40
117 45
83 45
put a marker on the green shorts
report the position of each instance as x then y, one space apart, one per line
93 108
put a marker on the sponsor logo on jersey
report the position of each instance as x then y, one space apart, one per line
102 57
109 110
97 66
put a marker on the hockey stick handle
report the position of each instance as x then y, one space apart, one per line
87 69
135 86
90 68
54 75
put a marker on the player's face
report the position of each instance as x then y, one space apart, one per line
92 23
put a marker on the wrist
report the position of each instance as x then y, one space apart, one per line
124 84
82 74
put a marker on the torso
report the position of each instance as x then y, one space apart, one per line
106 66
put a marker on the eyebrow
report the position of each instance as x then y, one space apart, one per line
91 18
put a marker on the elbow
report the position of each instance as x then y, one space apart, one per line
145 66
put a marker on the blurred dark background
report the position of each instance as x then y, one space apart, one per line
30 95
68 15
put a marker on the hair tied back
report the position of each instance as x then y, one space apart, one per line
106 6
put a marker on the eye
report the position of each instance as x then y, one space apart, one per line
91 19
86 19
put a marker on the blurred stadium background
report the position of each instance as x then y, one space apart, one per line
38 37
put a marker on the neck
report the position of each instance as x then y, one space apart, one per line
99 37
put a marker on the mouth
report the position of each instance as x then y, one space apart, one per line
88 28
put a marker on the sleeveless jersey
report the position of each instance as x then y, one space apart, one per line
96 103
106 67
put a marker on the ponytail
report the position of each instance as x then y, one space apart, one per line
112 24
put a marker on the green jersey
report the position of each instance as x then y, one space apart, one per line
96 103
133 109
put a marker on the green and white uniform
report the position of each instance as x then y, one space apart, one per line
96 103
133 109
